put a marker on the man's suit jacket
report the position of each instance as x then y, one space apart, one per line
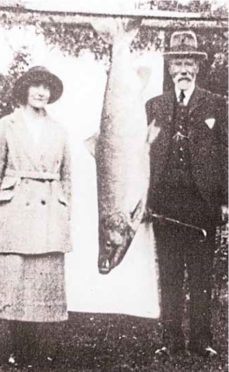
207 132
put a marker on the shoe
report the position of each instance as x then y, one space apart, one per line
12 361
210 352
47 360
206 351
162 351
173 348
173 341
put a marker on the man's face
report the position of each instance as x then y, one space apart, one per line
183 71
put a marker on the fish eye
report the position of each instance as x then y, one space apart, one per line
108 243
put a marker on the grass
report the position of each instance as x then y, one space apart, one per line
121 343
116 343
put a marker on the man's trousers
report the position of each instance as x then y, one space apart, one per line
179 247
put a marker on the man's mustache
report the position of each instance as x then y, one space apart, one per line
184 78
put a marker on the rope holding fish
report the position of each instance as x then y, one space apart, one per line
117 30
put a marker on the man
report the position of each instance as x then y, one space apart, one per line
189 185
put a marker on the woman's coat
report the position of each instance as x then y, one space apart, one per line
34 188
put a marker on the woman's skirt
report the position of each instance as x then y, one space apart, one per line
32 287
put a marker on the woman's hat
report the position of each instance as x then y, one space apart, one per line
184 43
38 74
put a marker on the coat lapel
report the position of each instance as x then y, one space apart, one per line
160 147
168 107
22 136
48 141
167 117
197 99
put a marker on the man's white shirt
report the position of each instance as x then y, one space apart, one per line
187 93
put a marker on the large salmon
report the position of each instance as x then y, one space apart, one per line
121 150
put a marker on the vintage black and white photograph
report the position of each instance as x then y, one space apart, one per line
113 185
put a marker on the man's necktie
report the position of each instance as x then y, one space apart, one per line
181 97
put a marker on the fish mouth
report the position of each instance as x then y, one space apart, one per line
110 261
104 266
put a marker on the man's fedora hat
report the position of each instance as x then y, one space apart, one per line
38 74
182 44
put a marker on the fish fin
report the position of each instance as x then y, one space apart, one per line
144 73
90 143
153 132
121 251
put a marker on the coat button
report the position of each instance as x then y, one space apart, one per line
43 202
27 204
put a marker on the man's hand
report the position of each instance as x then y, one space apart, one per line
153 132
224 213
147 216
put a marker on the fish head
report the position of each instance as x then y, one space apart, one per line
116 235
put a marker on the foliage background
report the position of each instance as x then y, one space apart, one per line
116 342
72 39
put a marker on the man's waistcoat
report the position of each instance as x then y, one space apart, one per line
207 136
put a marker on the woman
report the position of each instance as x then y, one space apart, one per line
34 210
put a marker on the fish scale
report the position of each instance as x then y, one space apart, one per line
122 161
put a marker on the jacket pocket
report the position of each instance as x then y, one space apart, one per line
7 189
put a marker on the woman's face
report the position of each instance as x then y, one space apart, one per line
38 95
